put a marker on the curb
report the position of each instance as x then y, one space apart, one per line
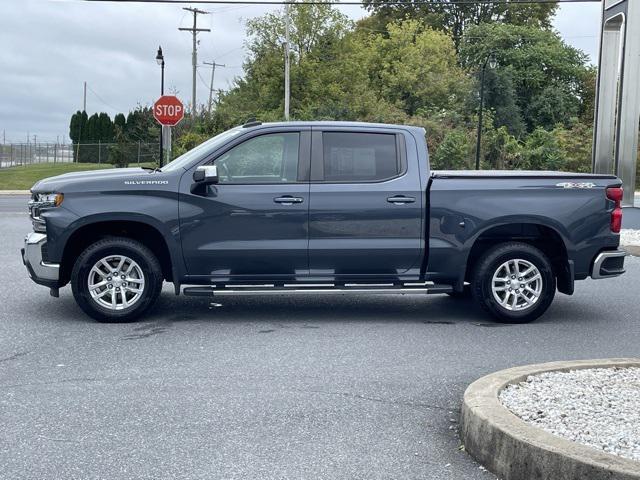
515 450
15 192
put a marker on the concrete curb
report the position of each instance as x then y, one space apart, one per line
632 250
15 192
514 450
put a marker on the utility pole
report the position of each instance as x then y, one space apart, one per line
287 91
194 55
213 71
84 98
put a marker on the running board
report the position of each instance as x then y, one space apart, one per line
326 289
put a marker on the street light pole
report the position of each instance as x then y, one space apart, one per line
160 60
491 60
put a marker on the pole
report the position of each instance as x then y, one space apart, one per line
287 91
213 71
161 94
166 130
194 64
84 98
194 53
479 136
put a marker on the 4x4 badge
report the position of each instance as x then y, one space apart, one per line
575 185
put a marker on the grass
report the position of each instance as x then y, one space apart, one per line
23 177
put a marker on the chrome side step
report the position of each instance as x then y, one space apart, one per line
324 289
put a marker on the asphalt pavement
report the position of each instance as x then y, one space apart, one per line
365 387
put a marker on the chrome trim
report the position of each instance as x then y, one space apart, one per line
324 291
600 259
33 258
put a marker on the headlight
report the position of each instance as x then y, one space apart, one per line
37 203
48 199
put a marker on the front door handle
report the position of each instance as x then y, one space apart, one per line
288 200
400 199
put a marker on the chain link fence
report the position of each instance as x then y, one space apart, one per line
16 154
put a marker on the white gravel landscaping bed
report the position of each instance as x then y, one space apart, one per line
630 237
597 407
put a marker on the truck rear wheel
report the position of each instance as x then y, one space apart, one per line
116 279
514 282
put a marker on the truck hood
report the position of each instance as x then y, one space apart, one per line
108 179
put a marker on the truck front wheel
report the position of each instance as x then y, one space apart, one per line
514 282
116 279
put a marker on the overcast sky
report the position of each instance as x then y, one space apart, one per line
48 48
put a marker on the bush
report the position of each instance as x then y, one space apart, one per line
453 153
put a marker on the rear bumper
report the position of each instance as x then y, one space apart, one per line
608 264
43 273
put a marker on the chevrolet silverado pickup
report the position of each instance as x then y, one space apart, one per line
321 208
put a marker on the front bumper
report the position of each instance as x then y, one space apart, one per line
608 264
41 272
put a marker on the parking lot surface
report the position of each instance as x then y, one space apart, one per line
364 387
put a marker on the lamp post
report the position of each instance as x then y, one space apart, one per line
493 63
160 60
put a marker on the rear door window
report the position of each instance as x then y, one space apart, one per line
359 157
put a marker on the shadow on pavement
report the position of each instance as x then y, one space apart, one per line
436 310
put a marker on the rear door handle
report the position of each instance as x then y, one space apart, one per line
400 199
288 200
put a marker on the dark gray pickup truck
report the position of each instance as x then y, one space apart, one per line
321 207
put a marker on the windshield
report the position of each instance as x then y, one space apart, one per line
201 150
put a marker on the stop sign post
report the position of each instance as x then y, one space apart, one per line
168 111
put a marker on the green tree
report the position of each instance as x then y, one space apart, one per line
502 99
453 153
119 121
78 133
550 78
455 18
503 151
186 142
416 69
316 32
92 129
105 128
575 145
542 152
120 154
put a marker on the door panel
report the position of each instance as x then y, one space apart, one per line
370 227
255 221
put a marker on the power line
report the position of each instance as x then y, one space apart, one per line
351 2
103 101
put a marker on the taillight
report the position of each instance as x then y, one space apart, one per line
615 194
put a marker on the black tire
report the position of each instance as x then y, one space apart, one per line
136 251
490 263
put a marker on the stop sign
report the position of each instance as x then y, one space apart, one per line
168 110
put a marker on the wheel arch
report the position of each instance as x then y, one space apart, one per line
548 238
138 228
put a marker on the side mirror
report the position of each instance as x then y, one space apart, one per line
206 174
